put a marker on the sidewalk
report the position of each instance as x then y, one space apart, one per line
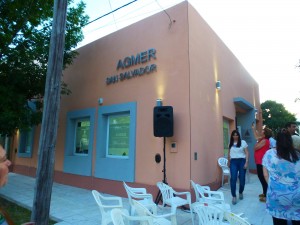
76 206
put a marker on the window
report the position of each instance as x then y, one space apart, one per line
82 136
79 142
115 145
118 136
225 136
26 142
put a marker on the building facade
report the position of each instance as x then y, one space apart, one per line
105 133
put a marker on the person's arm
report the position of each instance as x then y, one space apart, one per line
247 157
259 144
228 157
266 174
255 132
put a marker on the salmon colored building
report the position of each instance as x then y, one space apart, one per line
105 133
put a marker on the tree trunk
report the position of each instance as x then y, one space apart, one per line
46 153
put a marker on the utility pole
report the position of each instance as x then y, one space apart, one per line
46 153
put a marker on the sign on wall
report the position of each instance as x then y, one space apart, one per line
131 61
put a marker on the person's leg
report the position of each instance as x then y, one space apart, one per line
242 175
277 221
264 182
261 178
233 176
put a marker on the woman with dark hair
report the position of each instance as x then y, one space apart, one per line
262 145
238 162
282 172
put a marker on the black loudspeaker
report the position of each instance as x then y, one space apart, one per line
163 121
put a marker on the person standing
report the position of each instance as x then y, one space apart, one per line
272 142
262 145
282 172
291 127
238 156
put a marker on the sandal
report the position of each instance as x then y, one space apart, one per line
262 199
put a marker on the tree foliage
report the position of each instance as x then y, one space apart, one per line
25 29
275 116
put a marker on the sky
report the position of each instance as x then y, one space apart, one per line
263 34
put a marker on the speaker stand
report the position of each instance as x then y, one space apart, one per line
159 196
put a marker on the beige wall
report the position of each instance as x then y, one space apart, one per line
190 58
211 60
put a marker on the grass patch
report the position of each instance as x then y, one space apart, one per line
17 213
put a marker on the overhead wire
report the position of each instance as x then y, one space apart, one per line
110 12
118 20
113 14
171 22
126 17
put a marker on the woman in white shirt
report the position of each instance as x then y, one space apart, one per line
238 156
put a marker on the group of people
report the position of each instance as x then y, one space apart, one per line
278 169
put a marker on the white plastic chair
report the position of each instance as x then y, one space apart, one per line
235 219
215 198
223 163
208 214
119 217
105 209
170 197
196 192
161 219
141 195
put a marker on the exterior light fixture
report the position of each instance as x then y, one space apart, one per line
100 101
159 102
218 85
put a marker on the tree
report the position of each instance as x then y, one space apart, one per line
275 116
25 29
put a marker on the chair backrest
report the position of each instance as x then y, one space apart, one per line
141 195
196 192
97 197
121 218
234 219
161 219
216 198
140 209
200 191
223 162
129 192
117 217
208 214
101 200
166 191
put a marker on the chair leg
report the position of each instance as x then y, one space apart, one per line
173 209
192 215
173 220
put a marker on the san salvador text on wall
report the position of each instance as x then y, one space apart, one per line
129 61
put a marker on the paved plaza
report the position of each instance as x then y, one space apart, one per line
76 206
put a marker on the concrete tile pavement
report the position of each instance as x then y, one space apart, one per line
76 206
253 209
